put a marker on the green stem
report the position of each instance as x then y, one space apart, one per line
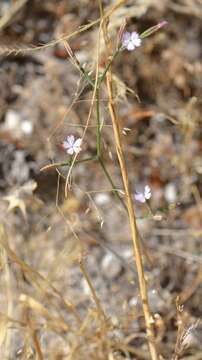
84 72
150 209
67 163
102 76
98 132
87 77
108 176
85 160
98 123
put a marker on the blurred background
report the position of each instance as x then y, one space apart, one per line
43 99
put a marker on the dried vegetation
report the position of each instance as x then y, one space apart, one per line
69 287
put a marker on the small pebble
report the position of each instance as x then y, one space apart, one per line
102 199
12 121
171 193
27 127
111 266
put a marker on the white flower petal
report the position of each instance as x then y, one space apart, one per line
137 42
139 197
126 37
130 46
134 36
70 151
76 149
65 144
147 196
147 192
70 140
72 145
78 142
131 40
77 146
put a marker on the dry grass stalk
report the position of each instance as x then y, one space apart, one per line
5 20
40 282
5 334
129 202
133 226
101 313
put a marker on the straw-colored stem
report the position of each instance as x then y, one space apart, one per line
129 203
133 225
93 292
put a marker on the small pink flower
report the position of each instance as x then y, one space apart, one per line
72 145
143 196
131 40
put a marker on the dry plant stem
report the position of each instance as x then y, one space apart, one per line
133 226
33 335
131 214
95 298
9 305
5 20
83 28
37 345
38 280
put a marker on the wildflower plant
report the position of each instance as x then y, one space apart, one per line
72 145
129 41
143 196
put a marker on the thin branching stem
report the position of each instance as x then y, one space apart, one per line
91 287
102 76
67 163
109 178
98 130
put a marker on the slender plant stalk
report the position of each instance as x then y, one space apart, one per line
129 203
132 220
102 76
98 130
109 178
11 12
67 163
91 287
